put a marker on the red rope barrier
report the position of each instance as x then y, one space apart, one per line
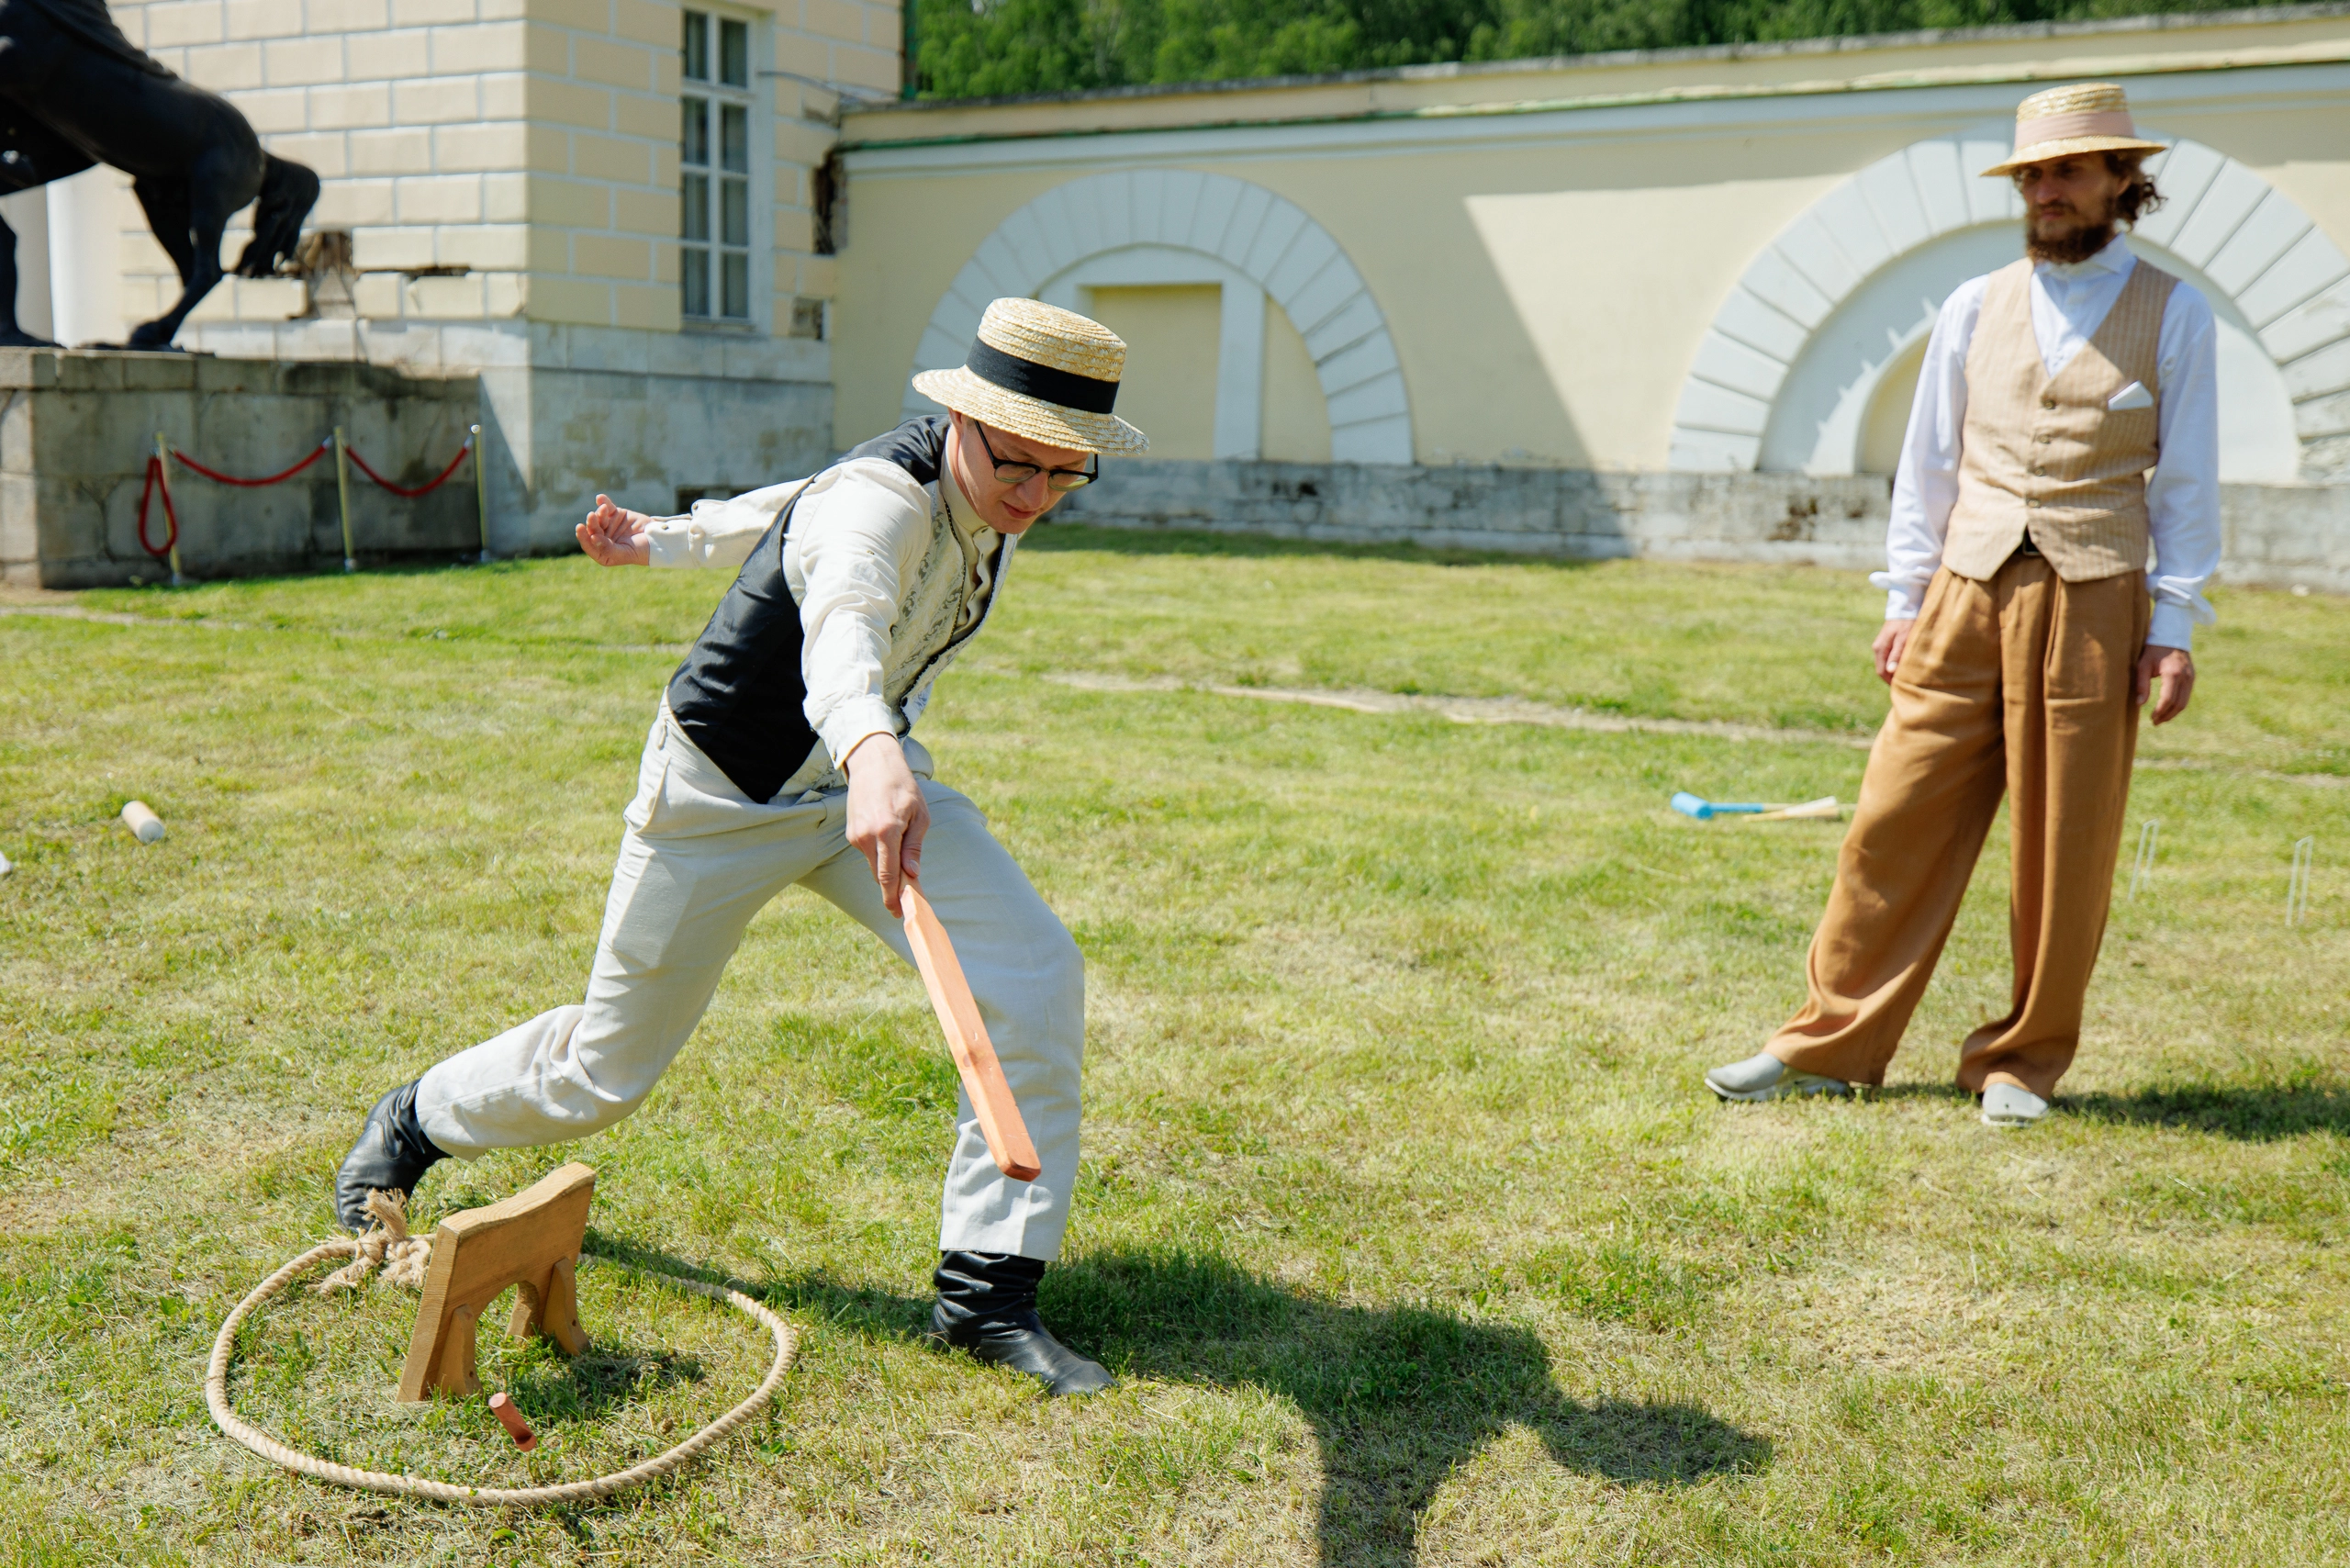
216 475
157 481
422 489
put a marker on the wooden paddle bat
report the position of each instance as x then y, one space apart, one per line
967 1037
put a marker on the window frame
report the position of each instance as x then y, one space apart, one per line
752 95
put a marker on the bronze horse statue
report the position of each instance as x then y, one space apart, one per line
75 91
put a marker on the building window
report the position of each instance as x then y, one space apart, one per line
716 155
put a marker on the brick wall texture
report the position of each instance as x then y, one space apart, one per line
531 143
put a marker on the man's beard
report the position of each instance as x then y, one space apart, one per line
2075 244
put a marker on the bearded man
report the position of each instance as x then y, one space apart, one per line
2067 419
783 753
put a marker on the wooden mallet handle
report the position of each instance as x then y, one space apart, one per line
967 1037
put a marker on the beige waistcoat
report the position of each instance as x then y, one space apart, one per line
2045 455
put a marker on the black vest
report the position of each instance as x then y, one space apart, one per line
741 694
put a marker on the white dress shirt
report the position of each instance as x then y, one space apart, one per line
2068 304
859 536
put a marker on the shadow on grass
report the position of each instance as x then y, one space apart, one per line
1075 535
1397 1397
603 1379
2254 1115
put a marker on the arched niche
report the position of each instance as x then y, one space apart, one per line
1162 227
1806 358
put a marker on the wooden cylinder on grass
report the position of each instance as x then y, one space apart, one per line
144 825
512 1420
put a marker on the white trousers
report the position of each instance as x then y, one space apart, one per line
699 859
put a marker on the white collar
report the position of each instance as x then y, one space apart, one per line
2115 258
960 509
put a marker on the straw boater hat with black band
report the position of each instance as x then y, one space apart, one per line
1044 373
2093 116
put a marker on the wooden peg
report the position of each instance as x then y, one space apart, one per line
530 1240
511 1419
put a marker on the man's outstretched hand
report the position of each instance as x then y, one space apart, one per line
887 816
614 536
1892 642
2175 669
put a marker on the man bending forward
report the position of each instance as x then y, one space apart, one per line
783 753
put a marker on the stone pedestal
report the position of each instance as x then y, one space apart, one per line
77 428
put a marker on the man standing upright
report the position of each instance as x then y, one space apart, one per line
783 753
2067 419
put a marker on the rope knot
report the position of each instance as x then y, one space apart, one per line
387 1245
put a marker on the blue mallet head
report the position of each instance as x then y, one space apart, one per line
1690 805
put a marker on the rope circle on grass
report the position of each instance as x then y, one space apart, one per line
224 1414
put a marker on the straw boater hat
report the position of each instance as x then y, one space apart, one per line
1044 373
2091 118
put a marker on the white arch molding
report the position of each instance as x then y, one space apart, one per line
1786 374
1245 238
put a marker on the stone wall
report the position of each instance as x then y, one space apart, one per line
2277 535
497 159
76 429
571 410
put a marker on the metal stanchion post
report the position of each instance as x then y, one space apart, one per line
164 456
342 487
481 495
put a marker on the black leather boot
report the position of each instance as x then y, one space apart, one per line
987 1304
392 1155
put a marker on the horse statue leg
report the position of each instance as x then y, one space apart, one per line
288 191
12 335
30 156
188 218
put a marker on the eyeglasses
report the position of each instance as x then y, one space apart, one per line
1010 473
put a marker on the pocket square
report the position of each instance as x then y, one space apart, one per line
2133 395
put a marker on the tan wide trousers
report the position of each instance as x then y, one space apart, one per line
2021 684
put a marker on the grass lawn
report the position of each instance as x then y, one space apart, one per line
1402 1215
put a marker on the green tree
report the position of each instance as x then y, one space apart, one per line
994 48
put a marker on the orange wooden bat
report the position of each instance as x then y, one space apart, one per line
967 1037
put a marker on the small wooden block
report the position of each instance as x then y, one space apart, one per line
530 1240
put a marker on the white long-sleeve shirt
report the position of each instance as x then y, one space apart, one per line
2068 304
860 534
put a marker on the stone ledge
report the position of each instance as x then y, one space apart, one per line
2277 535
465 348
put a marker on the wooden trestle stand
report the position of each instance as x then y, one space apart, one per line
530 1240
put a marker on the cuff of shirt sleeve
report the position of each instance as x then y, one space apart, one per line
852 723
1903 598
2172 626
671 542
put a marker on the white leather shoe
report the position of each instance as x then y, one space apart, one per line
2005 1105
1765 1077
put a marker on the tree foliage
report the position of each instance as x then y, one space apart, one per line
991 48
